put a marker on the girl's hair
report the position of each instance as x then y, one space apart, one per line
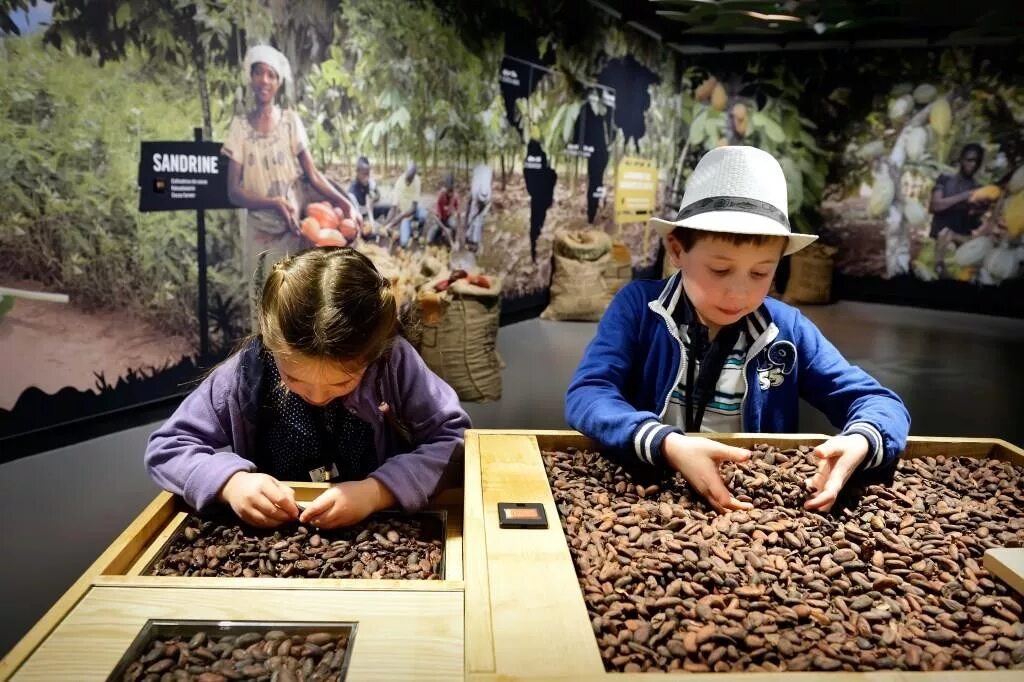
328 303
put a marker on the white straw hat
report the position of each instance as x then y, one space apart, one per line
740 190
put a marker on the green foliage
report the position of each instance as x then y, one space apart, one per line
399 83
778 127
71 137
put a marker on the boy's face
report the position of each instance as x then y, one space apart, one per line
316 381
726 281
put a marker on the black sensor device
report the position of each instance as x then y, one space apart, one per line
522 515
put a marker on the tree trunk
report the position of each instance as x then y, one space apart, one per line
504 178
204 88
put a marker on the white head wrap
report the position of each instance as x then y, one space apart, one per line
277 61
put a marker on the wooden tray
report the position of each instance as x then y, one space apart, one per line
525 614
122 563
401 635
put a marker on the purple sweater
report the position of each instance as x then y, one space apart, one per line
212 434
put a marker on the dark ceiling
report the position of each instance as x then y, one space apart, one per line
699 25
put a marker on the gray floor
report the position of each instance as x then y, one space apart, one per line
958 374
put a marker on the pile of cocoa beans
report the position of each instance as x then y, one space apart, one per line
384 547
892 578
272 655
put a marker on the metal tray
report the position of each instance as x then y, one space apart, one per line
426 517
155 629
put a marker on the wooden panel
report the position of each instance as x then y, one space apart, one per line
157 544
479 637
353 584
1008 565
400 635
540 624
117 558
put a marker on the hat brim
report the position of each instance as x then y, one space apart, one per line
736 222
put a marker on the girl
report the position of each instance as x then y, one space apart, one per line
326 391
268 154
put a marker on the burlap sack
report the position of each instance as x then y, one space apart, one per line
585 245
810 275
457 335
619 270
578 290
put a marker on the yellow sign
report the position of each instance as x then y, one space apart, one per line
636 190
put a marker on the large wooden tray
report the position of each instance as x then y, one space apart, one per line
525 614
401 635
123 562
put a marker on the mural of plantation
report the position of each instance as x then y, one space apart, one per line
908 144
526 118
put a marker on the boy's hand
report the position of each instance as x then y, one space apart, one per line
259 500
697 459
344 504
838 458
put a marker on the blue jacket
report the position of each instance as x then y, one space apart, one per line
621 389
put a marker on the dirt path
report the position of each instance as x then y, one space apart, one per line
53 345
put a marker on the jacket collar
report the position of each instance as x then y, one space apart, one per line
674 302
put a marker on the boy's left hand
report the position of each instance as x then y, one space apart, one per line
838 458
348 503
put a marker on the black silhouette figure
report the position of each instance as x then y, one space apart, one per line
540 184
630 79
592 134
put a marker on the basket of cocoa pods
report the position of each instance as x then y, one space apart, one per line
387 545
891 579
216 651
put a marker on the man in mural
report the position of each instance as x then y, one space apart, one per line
479 207
407 200
269 158
365 193
540 184
447 208
955 217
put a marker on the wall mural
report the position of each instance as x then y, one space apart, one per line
459 153
929 175
455 157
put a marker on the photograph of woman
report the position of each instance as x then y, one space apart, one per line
271 172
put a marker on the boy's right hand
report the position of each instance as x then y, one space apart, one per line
697 459
259 500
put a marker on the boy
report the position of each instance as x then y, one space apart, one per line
706 350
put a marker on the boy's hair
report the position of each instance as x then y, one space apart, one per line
328 303
688 237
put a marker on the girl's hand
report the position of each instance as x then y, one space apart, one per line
697 459
838 458
259 500
348 503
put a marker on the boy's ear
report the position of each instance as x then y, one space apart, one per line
673 250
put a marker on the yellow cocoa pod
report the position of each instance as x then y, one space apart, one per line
940 118
1013 214
703 91
739 111
718 97
740 125
881 196
1016 181
986 193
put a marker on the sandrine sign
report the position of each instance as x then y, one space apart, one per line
180 176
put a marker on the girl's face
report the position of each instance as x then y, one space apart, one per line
265 82
726 281
318 381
